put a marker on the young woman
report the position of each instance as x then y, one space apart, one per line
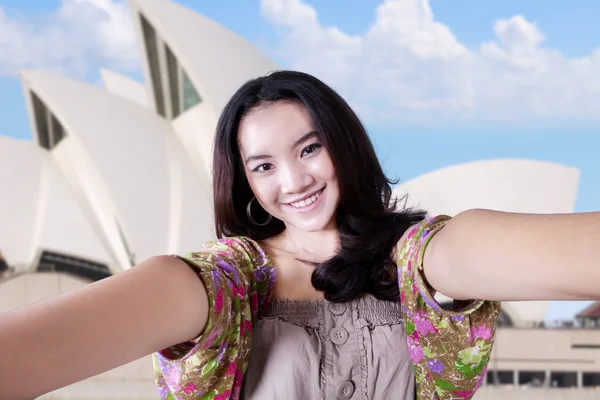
318 288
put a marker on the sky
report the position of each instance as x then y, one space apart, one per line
436 82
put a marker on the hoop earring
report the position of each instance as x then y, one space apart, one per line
249 214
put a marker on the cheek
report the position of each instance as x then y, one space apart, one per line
327 169
322 168
263 189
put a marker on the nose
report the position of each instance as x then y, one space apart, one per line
294 179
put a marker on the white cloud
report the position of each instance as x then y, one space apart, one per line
409 67
75 39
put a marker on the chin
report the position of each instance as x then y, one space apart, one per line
312 226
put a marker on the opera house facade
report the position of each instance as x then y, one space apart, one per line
117 174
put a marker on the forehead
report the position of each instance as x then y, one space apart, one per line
273 126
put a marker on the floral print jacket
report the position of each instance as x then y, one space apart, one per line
449 349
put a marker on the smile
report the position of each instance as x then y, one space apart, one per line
307 201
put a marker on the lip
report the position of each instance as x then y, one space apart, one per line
309 207
306 197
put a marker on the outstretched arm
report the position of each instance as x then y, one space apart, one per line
492 255
101 326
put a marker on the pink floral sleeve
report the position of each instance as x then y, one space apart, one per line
238 277
450 350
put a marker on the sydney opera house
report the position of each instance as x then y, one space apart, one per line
117 174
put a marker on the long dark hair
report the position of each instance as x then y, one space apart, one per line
368 222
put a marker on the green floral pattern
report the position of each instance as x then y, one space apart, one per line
239 278
449 349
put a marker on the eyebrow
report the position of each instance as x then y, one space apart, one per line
297 143
304 138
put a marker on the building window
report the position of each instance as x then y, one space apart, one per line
173 90
151 43
500 377
591 379
563 379
175 93
190 94
49 129
57 131
532 378
3 264
504 320
57 262
41 122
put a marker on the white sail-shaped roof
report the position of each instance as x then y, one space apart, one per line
116 153
124 86
38 210
513 185
217 60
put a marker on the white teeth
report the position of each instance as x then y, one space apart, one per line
306 202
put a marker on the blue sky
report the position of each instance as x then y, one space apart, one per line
551 36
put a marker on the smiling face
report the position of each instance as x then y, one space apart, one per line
287 167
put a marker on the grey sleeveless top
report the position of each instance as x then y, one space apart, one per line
321 350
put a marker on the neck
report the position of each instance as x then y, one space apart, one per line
315 246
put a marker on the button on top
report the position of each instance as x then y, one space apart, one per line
338 335
345 390
337 308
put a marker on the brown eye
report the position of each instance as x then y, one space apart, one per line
311 149
263 168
